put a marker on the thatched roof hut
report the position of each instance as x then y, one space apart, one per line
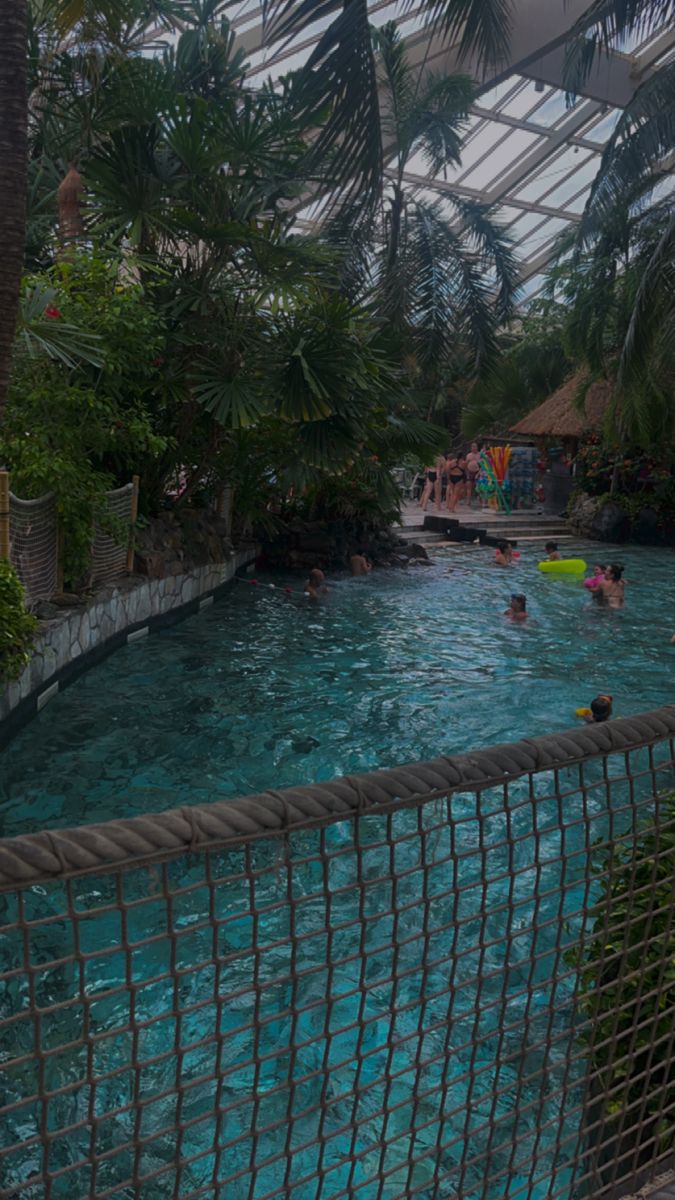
560 415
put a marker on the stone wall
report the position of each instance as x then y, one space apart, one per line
606 520
80 636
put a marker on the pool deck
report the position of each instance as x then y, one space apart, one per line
520 526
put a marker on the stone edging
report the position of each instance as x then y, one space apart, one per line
76 641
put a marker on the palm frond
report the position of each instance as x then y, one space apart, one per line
480 27
42 331
340 78
494 247
437 119
643 138
653 315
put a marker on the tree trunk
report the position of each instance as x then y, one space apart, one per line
13 160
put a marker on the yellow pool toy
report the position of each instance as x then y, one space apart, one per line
564 566
583 712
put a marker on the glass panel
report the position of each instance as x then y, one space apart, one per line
531 286
491 98
579 181
526 223
537 240
604 129
509 150
523 103
553 169
552 110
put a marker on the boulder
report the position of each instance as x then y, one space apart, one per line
611 523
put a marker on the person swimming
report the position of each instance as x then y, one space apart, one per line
503 555
517 610
611 590
315 584
600 710
552 552
360 564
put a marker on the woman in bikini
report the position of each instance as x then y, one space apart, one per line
611 590
430 483
456 481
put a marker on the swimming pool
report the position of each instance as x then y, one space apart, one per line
265 690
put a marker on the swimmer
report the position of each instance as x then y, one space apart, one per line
315 585
597 577
503 555
600 710
360 564
517 610
611 590
552 553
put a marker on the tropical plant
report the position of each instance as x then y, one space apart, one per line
84 407
617 292
340 75
627 990
533 362
17 626
439 273
14 156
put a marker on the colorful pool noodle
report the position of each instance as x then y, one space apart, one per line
490 472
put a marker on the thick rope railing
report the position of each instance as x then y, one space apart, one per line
110 549
66 852
34 545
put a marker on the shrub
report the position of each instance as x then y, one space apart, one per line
17 626
627 991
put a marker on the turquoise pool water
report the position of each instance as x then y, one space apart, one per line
264 690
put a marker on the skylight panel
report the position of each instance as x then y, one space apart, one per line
491 98
604 129
554 108
579 180
546 233
554 169
510 148
523 103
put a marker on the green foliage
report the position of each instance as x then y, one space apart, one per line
534 362
17 626
627 981
83 404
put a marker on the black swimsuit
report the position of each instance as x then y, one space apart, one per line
431 476
460 477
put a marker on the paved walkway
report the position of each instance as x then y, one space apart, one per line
487 518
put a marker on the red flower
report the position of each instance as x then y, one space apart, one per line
52 312
158 361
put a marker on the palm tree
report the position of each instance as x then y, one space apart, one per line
340 75
13 153
439 274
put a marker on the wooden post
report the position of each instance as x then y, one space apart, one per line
132 522
4 514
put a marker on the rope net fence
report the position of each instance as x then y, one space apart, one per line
34 545
110 547
448 981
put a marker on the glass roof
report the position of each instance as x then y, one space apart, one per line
528 152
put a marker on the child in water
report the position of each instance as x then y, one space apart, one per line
503 555
600 710
552 554
597 577
517 610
